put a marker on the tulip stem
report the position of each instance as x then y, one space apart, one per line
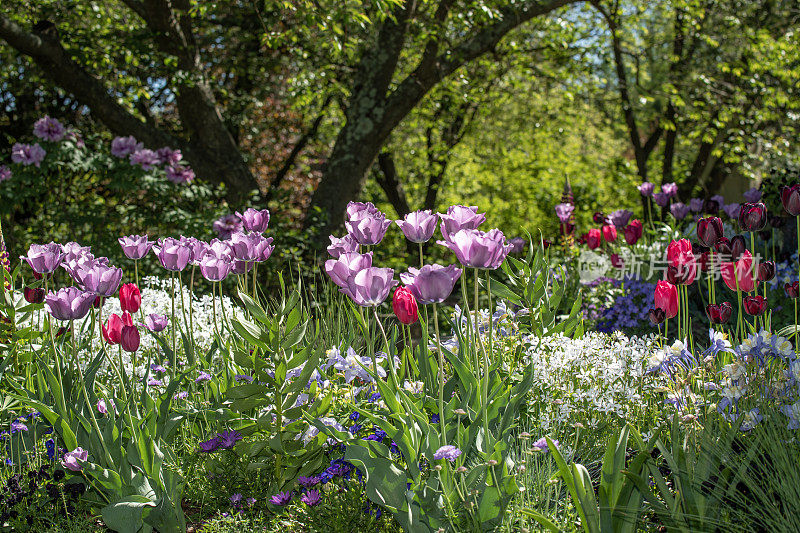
486 358
795 324
465 311
389 356
172 278
421 263
443 439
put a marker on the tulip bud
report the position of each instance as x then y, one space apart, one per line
790 198
752 217
405 306
633 232
755 305
709 231
129 339
34 296
666 298
616 261
719 313
792 289
738 247
130 299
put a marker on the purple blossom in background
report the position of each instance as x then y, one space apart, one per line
696 205
346 266
732 210
145 158
661 199
719 199
254 220
448 452
17 426
182 395
564 212
168 156
49 129
125 146
156 323
180 174
646 188
620 217
243 377
418 226
28 154
210 445
308 482
311 498
282 498
5 173
157 368
517 245
227 225
203 377
629 312
752 195
342 245
679 210
541 445
228 439
75 137
153 382
670 189
135 246
236 498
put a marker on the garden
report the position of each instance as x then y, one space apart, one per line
198 337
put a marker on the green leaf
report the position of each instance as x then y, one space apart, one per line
127 515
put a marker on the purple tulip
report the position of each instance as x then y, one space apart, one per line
81 262
215 268
752 195
254 220
346 266
661 199
227 225
242 267
173 254
646 188
732 210
73 250
147 159
342 245
477 249
719 199
197 246
357 210
156 323
460 217
217 248
135 246
97 278
564 212
696 205
250 246
368 227
620 217
670 189
69 303
370 287
125 146
431 283
28 154
44 258
517 245
74 460
49 129
679 210
418 226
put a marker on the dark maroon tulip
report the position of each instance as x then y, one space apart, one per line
711 207
719 313
738 247
790 197
129 338
766 271
633 231
792 289
709 231
704 260
765 234
599 218
682 275
755 305
34 296
753 217
657 316
723 249
777 221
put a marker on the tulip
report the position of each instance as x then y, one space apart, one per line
564 212
792 289
739 275
129 339
69 303
752 195
790 198
358 209
766 271
719 199
98 278
404 306
431 283
682 275
418 226
609 233
342 245
711 207
593 238
723 249
369 228
219 249
254 220
755 305
214 268
657 316
670 189
370 287
251 246
646 188
173 254
112 329
696 205
732 210
346 266
666 298
719 313
156 323
620 217
599 217
679 210
33 295
709 231
135 247
130 299
738 247
242 267
753 217
44 258
616 261
460 217
680 253
661 199
197 246
476 249
227 225
73 250
518 244
633 232
74 460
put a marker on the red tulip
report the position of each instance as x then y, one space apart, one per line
753 217
742 274
792 289
405 306
666 298
599 218
719 313
609 233
683 275
593 239
679 253
709 231
790 197
616 261
33 296
112 329
129 339
766 271
755 305
130 299
633 232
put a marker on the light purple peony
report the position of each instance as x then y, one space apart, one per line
5 173
125 146
49 129
418 226
168 156
431 283
28 154
179 174
145 158
752 195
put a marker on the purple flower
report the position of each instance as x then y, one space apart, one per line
215 268
448 452
73 250
97 278
646 188
210 445
153 382
251 246
679 210
135 246
719 199
418 226
517 245
49 129
145 158
460 217
227 225
69 303
5 173
180 174
203 377
182 395
752 195
168 156
661 199
236 499
620 217
564 212
732 210
243 377
241 267
44 258
156 323
477 249
254 220
282 498
346 266
229 438
696 205
370 287
157 368
74 460
541 445
342 245
28 154
367 226
125 146
359 209
173 254
670 189
431 283
308 482
311 498
17 426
